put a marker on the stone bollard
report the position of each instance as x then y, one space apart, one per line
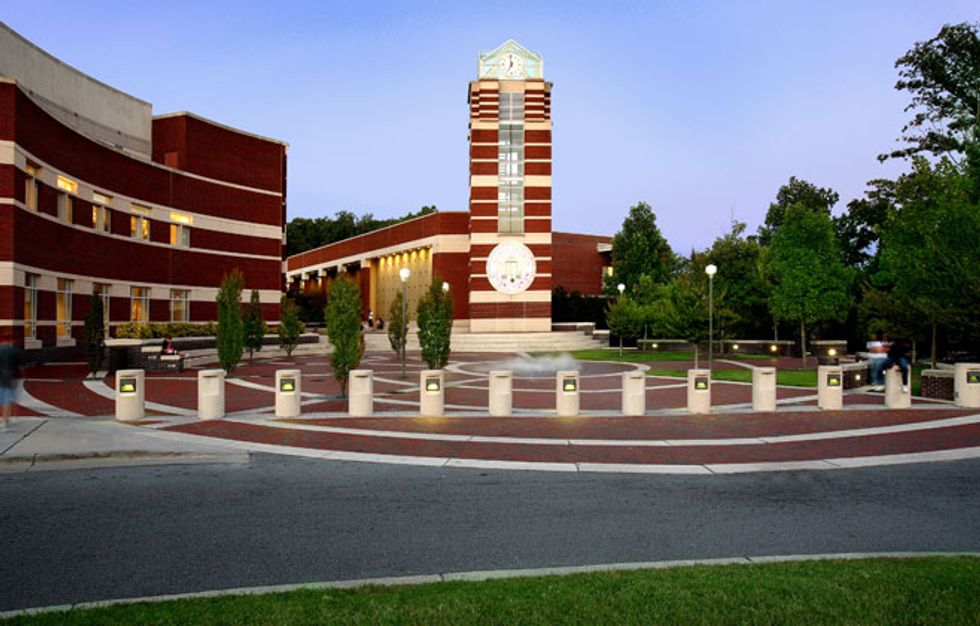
289 385
567 393
634 393
830 387
966 385
501 393
764 389
360 401
699 391
130 394
432 393
895 398
211 394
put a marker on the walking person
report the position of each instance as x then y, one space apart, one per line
898 357
877 353
11 362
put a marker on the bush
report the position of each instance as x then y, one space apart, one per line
158 330
289 328
255 328
95 334
343 315
230 338
435 313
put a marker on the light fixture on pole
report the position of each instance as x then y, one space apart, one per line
445 287
621 287
404 273
710 271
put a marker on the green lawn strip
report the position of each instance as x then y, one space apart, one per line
631 356
934 590
797 378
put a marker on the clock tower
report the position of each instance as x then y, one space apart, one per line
510 193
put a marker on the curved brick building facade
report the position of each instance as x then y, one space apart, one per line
97 195
501 258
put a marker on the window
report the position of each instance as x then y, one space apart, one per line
179 305
102 291
31 188
30 306
101 215
180 235
140 304
65 203
64 307
139 227
510 171
68 185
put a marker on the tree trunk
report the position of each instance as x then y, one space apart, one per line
803 342
932 351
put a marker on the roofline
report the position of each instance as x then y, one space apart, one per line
219 125
376 230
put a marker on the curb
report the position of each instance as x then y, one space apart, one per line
114 459
481 575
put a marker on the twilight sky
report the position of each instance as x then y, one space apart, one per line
703 109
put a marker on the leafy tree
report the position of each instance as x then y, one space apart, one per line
943 77
397 326
640 248
803 264
692 302
740 291
95 334
343 315
930 260
625 318
435 313
857 228
304 234
289 325
231 329
254 325
818 199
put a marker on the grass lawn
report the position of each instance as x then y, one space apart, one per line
633 356
935 590
798 378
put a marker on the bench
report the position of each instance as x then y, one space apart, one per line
154 360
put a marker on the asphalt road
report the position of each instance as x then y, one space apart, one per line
80 535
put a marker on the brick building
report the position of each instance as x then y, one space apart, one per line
98 195
501 258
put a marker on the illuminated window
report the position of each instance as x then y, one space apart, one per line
140 304
180 235
139 227
65 203
31 187
30 306
101 215
179 305
63 304
66 184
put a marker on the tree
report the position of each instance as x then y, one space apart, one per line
289 325
740 291
343 316
639 248
809 282
691 302
943 77
625 318
231 329
254 325
857 228
435 313
397 326
304 234
930 261
796 191
95 334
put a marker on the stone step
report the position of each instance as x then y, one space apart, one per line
497 342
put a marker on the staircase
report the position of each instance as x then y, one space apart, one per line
465 341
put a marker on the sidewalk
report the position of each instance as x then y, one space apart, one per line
33 443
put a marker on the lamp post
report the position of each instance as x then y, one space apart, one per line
445 287
621 287
404 273
710 271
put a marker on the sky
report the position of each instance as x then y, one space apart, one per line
701 109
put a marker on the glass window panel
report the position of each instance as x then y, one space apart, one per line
63 306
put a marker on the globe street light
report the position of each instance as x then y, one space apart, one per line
621 288
404 273
710 271
445 287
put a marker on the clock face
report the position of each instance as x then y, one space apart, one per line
511 268
510 65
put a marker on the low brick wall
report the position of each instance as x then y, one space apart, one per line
855 374
937 384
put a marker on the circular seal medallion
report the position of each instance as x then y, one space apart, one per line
511 267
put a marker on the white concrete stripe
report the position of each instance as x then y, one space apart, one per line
99 387
28 401
482 575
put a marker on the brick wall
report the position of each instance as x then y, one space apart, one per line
937 384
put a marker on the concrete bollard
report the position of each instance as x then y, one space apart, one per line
360 401
764 389
501 393
211 394
432 393
567 393
634 393
966 385
830 387
130 395
895 398
289 386
699 391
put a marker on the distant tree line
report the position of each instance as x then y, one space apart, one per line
303 233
